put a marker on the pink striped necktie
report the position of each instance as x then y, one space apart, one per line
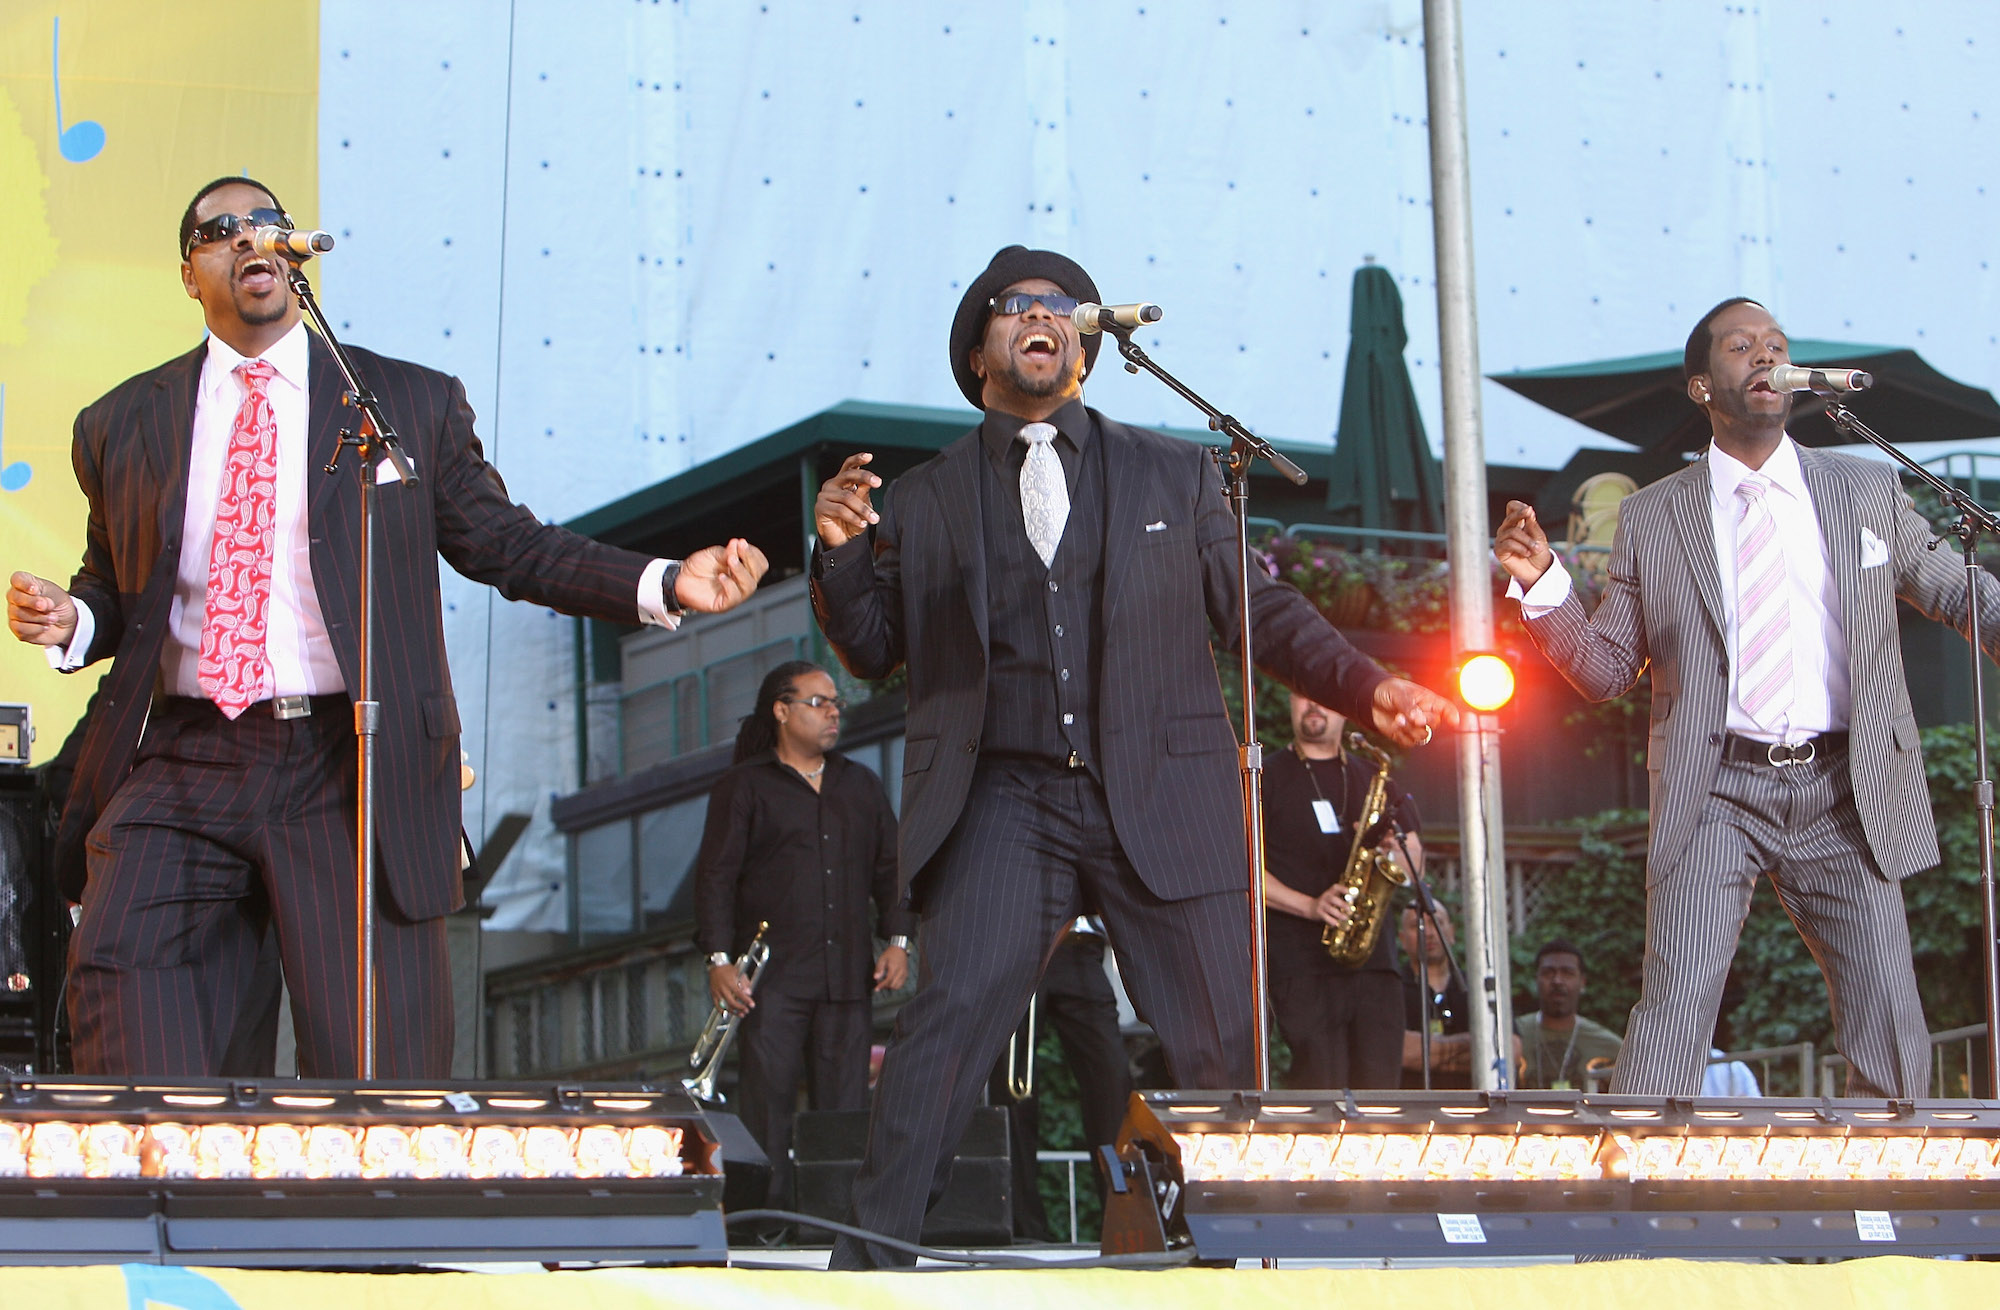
1763 611
233 670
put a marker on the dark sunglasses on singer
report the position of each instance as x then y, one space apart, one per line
227 227
1018 303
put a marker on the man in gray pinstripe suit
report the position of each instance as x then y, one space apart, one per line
1761 583
1051 580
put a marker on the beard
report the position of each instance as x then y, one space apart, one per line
259 312
1052 385
1736 406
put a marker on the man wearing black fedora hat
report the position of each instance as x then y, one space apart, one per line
1050 581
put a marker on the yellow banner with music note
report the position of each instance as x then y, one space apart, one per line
112 114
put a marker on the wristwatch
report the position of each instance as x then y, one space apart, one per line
900 942
718 958
670 579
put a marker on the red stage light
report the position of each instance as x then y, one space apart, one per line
1485 682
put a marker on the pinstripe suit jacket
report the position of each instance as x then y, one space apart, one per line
1663 604
1168 751
131 457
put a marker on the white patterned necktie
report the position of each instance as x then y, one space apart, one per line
1044 493
1763 611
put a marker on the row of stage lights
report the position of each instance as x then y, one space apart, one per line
227 1150
1361 1157
96 1171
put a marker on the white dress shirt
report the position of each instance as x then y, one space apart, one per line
1821 700
296 645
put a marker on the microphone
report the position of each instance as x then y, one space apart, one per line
284 243
1792 377
1090 319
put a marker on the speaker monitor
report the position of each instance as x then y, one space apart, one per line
977 1208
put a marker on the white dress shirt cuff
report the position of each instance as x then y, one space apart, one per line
656 608
1549 592
68 659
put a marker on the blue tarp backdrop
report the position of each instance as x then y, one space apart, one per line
645 232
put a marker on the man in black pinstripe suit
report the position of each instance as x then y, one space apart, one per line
201 808
1782 738
1068 748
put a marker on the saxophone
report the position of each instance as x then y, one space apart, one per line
1371 877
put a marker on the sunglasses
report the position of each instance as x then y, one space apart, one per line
818 702
1008 306
227 227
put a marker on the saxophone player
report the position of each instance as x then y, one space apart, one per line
1343 1023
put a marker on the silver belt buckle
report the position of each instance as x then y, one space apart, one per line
1782 756
291 707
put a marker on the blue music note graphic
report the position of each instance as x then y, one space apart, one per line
13 476
79 142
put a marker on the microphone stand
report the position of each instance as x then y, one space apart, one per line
1427 909
1245 447
372 439
1973 520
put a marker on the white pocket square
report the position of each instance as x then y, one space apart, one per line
1161 526
1873 552
385 472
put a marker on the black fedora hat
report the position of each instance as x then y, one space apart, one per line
1012 264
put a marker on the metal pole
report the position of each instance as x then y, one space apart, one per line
1253 778
367 725
1467 533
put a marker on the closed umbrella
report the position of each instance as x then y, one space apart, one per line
1383 474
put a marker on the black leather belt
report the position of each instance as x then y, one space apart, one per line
1779 755
278 707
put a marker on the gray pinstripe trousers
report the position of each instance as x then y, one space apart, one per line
1033 847
1798 826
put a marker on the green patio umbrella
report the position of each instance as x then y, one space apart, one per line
1383 473
1643 399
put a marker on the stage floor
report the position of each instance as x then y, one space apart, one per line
1870 1284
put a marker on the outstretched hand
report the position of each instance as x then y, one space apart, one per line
1521 546
1409 714
717 578
39 612
842 511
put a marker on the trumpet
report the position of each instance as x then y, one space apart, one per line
706 1058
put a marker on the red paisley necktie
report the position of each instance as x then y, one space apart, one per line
233 670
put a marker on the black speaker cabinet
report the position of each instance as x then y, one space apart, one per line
977 1208
29 968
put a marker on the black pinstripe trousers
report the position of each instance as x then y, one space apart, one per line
220 828
1798 825
1033 847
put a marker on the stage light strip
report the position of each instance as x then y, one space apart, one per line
238 1150
1653 1157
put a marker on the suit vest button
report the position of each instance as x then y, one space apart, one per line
1715 739
971 746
